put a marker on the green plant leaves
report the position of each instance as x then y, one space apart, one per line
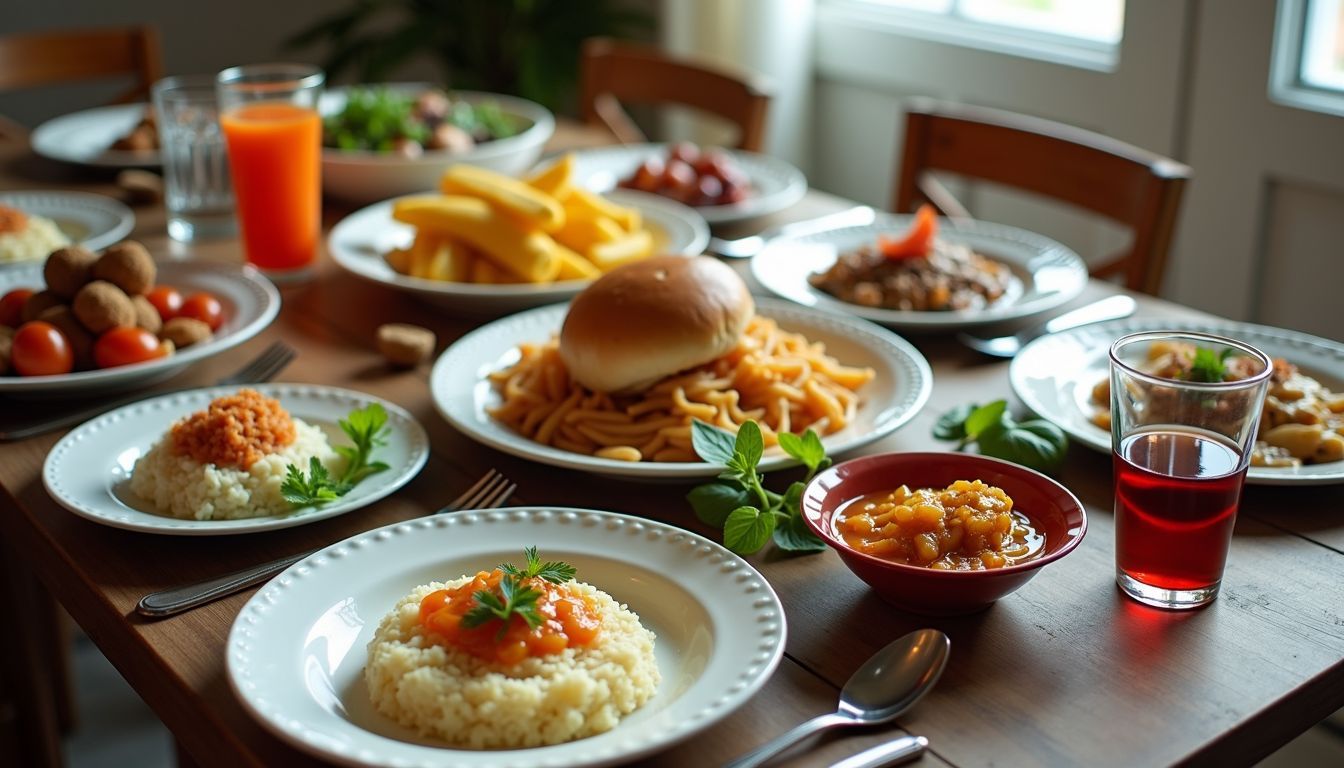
747 529
713 501
952 425
1036 444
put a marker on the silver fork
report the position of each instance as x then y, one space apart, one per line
491 491
263 367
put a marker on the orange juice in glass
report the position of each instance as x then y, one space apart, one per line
268 113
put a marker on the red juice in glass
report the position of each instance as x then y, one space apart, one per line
1176 494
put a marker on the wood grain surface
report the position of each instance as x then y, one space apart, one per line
1063 672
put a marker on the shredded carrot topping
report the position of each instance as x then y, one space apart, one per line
234 431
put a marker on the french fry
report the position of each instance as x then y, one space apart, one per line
583 202
529 254
399 259
582 231
483 270
525 203
432 257
573 266
632 247
555 180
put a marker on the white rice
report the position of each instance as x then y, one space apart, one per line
180 486
449 694
34 243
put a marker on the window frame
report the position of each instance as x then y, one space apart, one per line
1286 86
952 29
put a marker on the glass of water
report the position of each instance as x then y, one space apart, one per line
197 190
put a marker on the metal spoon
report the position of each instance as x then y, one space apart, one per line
1112 308
884 688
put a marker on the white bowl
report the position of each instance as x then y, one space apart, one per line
363 176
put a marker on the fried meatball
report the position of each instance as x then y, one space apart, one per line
185 331
126 265
146 316
101 306
81 341
405 345
67 270
37 304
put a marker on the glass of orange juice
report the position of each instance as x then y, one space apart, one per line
269 115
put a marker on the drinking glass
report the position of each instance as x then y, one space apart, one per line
1180 448
197 192
270 119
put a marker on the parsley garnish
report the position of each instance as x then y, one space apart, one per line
749 514
1209 366
367 429
515 597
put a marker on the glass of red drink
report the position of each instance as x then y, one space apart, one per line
269 117
1185 408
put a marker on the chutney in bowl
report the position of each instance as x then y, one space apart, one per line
972 530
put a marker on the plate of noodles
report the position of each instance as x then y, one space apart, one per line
654 345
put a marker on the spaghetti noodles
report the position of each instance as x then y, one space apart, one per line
779 379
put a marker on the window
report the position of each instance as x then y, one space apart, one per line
1307 70
1082 32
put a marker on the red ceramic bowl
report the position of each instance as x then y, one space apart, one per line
1052 509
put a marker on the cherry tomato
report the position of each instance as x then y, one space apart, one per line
167 300
125 345
41 350
11 306
203 307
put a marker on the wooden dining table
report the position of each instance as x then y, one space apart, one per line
1066 671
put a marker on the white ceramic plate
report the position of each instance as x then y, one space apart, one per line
362 176
88 472
86 137
1054 376
250 304
357 243
462 393
1048 273
95 221
776 184
297 650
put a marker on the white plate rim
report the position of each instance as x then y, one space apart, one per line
790 282
770 622
267 307
406 430
656 209
880 342
47 138
792 188
1095 438
45 202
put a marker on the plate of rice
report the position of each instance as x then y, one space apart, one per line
215 461
348 654
33 224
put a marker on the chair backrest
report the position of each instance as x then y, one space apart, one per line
614 72
59 57
1118 181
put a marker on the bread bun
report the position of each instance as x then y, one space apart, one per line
653 318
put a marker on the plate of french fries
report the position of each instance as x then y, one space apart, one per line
490 243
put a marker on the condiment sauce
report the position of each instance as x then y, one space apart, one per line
967 526
568 620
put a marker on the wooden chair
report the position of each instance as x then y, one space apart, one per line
1118 181
49 58
614 72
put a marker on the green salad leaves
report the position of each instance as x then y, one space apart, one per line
1037 444
367 429
749 514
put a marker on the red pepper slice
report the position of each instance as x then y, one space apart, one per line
916 242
